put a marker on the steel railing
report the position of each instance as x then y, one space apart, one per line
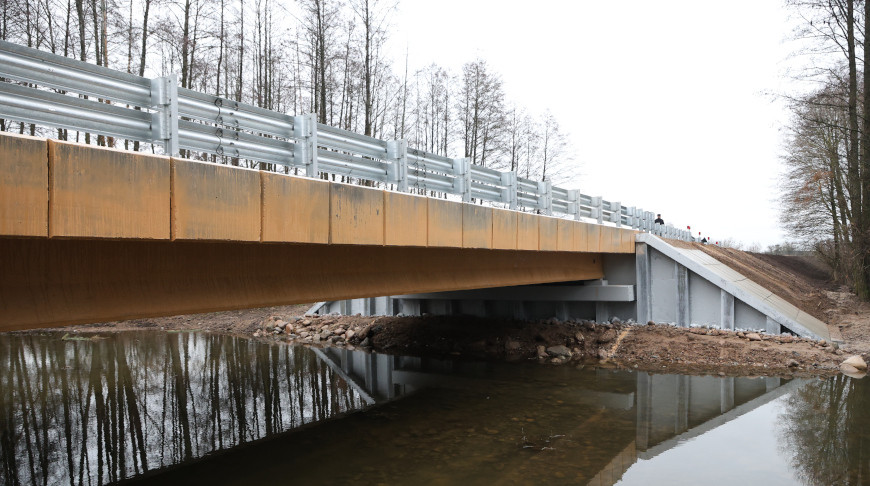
56 91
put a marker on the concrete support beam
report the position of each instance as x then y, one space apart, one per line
50 282
540 293
772 327
727 311
644 285
682 295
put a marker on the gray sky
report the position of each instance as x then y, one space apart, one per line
664 101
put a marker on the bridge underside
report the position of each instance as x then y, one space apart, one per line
49 282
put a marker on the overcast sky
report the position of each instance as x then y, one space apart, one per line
665 101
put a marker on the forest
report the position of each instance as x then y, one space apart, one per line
826 184
327 57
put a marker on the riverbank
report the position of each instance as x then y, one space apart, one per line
660 347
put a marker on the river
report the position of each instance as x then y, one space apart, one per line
191 408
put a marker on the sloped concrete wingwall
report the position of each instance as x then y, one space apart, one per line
685 286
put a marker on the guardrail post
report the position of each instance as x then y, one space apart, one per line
545 197
164 98
509 193
633 220
397 152
305 132
462 178
616 213
574 203
598 208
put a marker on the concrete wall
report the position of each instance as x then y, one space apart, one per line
669 292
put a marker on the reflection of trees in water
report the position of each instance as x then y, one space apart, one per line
84 412
825 428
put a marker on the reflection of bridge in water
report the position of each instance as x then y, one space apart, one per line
670 409
137 403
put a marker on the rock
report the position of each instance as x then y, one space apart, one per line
851 371
288 329
306 322
512 345
365 343
602 354
579 337
267 325
651 323
257 333
366 331
304 334
559 351
615 320
792 363
316 338
542 351
553 321
753 336
740 334
280 323
326 333
856 362
608 336
349 334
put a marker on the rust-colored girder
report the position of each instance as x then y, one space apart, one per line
51 282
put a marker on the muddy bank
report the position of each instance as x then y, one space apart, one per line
659 348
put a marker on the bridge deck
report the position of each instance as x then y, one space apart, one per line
90 234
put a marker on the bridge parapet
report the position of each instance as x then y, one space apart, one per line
63 190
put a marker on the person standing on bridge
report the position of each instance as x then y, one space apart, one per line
659 220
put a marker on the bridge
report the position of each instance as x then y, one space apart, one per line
91 234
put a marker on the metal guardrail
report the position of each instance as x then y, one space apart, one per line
76 95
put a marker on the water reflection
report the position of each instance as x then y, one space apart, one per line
826 431
103 410
98 411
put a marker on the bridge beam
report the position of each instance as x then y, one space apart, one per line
51 282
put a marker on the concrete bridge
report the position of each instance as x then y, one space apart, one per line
89 234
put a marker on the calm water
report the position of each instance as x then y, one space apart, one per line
191 408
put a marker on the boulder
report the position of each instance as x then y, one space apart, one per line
559 351
753 336
851 371
542 351
856 362
608 336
